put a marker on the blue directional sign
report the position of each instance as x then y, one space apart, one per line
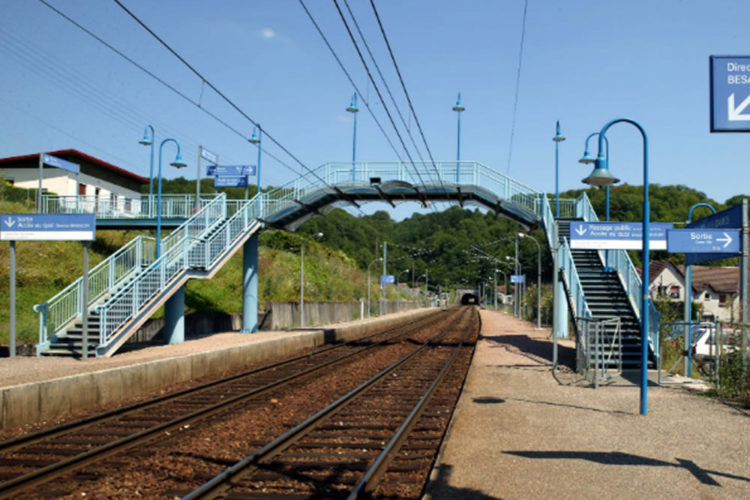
210 170
387 278
47 227
730 218
232 175
54 161
517 278
703 241
617 235
730 93
208 155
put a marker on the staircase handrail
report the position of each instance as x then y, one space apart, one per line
629 277
180 250
65 306
570 276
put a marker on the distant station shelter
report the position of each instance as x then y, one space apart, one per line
95 178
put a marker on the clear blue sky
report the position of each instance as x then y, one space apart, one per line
584 63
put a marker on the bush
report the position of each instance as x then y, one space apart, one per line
734 379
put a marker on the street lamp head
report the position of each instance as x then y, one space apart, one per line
319 235
255 138
600 176
178 162
522 235
353 106
458 107
558 137
146 141
586 159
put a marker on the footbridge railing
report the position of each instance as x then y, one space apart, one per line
113 206
429 178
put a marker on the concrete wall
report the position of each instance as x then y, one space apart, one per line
36 401
285 315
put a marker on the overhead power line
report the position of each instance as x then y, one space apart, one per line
518 85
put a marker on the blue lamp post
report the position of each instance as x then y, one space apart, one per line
149 142
255 139
176 163
587 159
558 139
458 108
354 110
601 176
688 313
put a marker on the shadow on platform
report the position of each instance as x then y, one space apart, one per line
538 350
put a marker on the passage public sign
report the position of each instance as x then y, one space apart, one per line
47 227
617 235
730 93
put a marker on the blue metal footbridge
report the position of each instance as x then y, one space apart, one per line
128 287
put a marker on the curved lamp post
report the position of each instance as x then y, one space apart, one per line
302 278
256 139
458 108
146 141
378 259
688 313
558 139
176 163
538 278
354 110
601 176
587 159
398 289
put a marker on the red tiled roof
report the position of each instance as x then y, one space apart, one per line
719 279
79 154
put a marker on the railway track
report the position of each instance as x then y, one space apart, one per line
378 440
30 462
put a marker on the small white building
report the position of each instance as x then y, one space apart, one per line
716 289
95 177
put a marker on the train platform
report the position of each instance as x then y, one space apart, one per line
35 390
520 432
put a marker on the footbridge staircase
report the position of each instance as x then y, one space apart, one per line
129 286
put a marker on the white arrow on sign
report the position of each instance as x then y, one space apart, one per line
727 239
735 114
580 230
10 222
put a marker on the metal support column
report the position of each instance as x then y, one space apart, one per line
174 317
250 285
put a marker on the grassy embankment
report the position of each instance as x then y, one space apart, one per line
45 268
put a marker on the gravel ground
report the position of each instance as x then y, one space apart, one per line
519 432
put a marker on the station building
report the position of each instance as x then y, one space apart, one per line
95 178
716 289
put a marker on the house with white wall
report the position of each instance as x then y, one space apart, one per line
95 177
716 289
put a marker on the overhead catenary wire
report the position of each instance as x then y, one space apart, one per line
518 85
218 92
382 78
162 82
403 86
364 99
377 90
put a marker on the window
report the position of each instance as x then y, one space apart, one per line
723 300
674 292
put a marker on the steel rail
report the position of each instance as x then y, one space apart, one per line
220 484
46 473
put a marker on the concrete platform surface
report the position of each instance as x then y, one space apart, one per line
519 432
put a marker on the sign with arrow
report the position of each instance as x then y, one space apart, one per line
617 235
47 227
703 241
731 218
730 93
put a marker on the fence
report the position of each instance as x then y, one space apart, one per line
599 349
